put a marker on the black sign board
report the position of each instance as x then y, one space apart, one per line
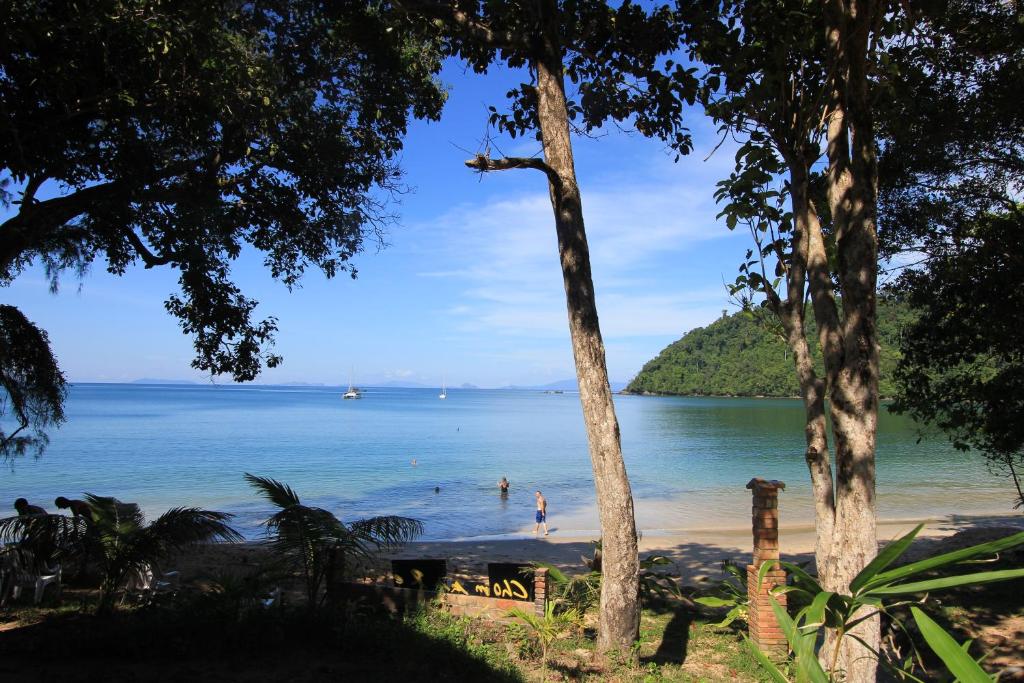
510 580
425 574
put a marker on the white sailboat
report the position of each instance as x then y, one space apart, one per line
444 390
352 391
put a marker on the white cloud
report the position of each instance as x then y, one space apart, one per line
502 254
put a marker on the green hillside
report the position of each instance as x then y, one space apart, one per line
737 356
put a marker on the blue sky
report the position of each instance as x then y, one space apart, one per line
469 287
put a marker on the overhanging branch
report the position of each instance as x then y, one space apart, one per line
484 164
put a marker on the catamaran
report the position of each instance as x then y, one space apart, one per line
444 391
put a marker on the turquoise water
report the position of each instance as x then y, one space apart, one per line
688 458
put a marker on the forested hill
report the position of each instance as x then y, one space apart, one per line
738 356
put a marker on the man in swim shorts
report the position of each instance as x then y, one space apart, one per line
542 513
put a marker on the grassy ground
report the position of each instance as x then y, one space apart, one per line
204 635
206 639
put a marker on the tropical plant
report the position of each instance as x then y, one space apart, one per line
731 592
572 593
42 540
659 584
548 628
318 544
868 592
123 544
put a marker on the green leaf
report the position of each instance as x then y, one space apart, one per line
991 547
711 601
956 660
815 612
948 582
767 664
888 555
805 580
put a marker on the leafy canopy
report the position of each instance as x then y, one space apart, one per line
34 385
183 133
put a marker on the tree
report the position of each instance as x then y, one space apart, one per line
180 134
950 126
612 54
952 172
318 543
962 368
788 77
32 381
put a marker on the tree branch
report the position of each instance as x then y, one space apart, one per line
148 257
484 164
471 26
29 194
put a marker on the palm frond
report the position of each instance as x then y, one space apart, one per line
47 537
297 529
276 492
109 512
181 527
387 531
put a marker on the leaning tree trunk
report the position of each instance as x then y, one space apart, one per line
620 600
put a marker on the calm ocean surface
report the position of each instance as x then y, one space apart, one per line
688 458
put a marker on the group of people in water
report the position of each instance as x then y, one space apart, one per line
541 515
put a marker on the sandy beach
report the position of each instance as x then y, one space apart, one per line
696 553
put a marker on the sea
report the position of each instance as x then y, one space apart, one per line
688 459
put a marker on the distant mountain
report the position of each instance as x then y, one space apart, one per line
737 356
467 385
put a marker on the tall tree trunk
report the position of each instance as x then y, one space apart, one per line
853 396
620 600
807 261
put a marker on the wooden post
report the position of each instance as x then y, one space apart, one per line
540 591
764 628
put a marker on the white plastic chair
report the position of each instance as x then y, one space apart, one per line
19 573
144 584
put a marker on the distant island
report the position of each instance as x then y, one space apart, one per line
738 356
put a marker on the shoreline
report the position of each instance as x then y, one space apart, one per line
696 553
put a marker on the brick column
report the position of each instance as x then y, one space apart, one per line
540 591
764 628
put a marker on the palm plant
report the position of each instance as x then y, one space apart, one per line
548 628
44 539
318 544
124 544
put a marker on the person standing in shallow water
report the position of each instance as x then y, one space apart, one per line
503 486
542 513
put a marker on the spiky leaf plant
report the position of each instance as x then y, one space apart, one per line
318 544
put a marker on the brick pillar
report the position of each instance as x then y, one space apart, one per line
764 628
540 591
